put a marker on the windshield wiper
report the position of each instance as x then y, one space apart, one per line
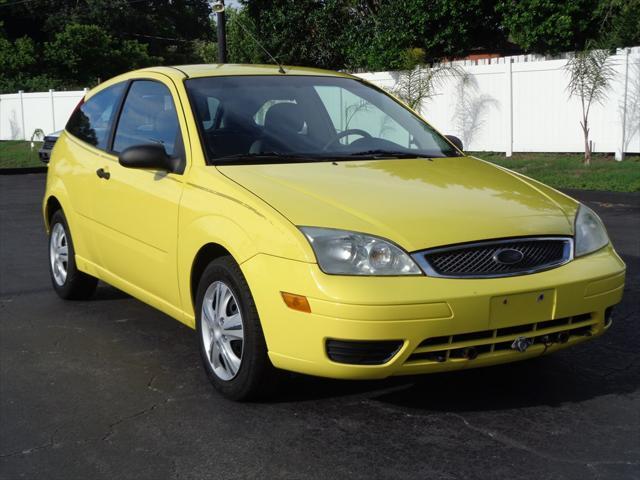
265 157
387 154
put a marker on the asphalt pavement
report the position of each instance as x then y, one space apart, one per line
112 389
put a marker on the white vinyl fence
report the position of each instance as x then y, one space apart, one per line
507 104
22 113
521 104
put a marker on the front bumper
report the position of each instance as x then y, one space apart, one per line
437 321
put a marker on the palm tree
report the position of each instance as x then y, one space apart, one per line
591 74
421 83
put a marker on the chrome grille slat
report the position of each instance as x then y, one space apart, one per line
477 259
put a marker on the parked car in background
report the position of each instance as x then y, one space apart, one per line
306 220
49 141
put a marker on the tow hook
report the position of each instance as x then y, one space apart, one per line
521 344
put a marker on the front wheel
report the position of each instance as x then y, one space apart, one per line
68 282
232 344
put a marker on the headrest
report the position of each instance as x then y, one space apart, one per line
284 116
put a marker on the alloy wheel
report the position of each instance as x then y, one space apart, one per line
59 253
222 330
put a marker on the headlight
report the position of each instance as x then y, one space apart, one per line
590 232
349 253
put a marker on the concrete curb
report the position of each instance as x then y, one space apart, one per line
22 170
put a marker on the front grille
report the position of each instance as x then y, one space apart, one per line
362 352
496 258
472 345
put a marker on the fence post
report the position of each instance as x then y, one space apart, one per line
508 100
619 155
24 132
53 111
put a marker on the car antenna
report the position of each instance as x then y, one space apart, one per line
246 30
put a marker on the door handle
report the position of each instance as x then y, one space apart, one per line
102 173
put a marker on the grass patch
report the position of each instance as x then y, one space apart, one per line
558 170
565 170
16 154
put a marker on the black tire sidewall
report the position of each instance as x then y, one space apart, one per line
255 366
77 285
64 289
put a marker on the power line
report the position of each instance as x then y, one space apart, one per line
11 4
158 38
20 2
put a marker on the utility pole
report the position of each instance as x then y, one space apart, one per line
218 8
620 154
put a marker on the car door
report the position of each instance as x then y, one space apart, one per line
82 151
138 208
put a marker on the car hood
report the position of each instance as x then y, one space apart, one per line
417 203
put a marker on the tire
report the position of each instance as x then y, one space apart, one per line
240 369
68 282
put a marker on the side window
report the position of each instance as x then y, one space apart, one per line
148 116
91 122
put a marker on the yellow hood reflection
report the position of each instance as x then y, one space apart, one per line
417 203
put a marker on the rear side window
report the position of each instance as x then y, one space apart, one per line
148 116
92 122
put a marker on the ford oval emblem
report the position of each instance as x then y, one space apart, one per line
508 256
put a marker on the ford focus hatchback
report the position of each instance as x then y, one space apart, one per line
308 221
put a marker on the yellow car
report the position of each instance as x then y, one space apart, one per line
308 221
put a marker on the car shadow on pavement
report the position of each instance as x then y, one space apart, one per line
608 365
551 381
107 292
544 381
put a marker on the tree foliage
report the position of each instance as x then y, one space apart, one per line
76 43
386 30
242 48
549 26
298 32
72 43
19 66
87 54
619 23
371 34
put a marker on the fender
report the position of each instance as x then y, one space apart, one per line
58 190
206 230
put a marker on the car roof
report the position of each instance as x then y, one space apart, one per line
182 72
225 69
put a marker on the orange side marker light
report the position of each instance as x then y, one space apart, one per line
296 302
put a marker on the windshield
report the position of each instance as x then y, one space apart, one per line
274 119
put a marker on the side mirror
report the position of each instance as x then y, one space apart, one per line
456 141
151 157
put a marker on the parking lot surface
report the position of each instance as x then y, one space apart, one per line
111 388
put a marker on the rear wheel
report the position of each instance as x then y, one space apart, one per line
68 282
232 344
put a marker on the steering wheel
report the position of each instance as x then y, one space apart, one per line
345 133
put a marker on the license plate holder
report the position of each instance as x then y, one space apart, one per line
522 308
